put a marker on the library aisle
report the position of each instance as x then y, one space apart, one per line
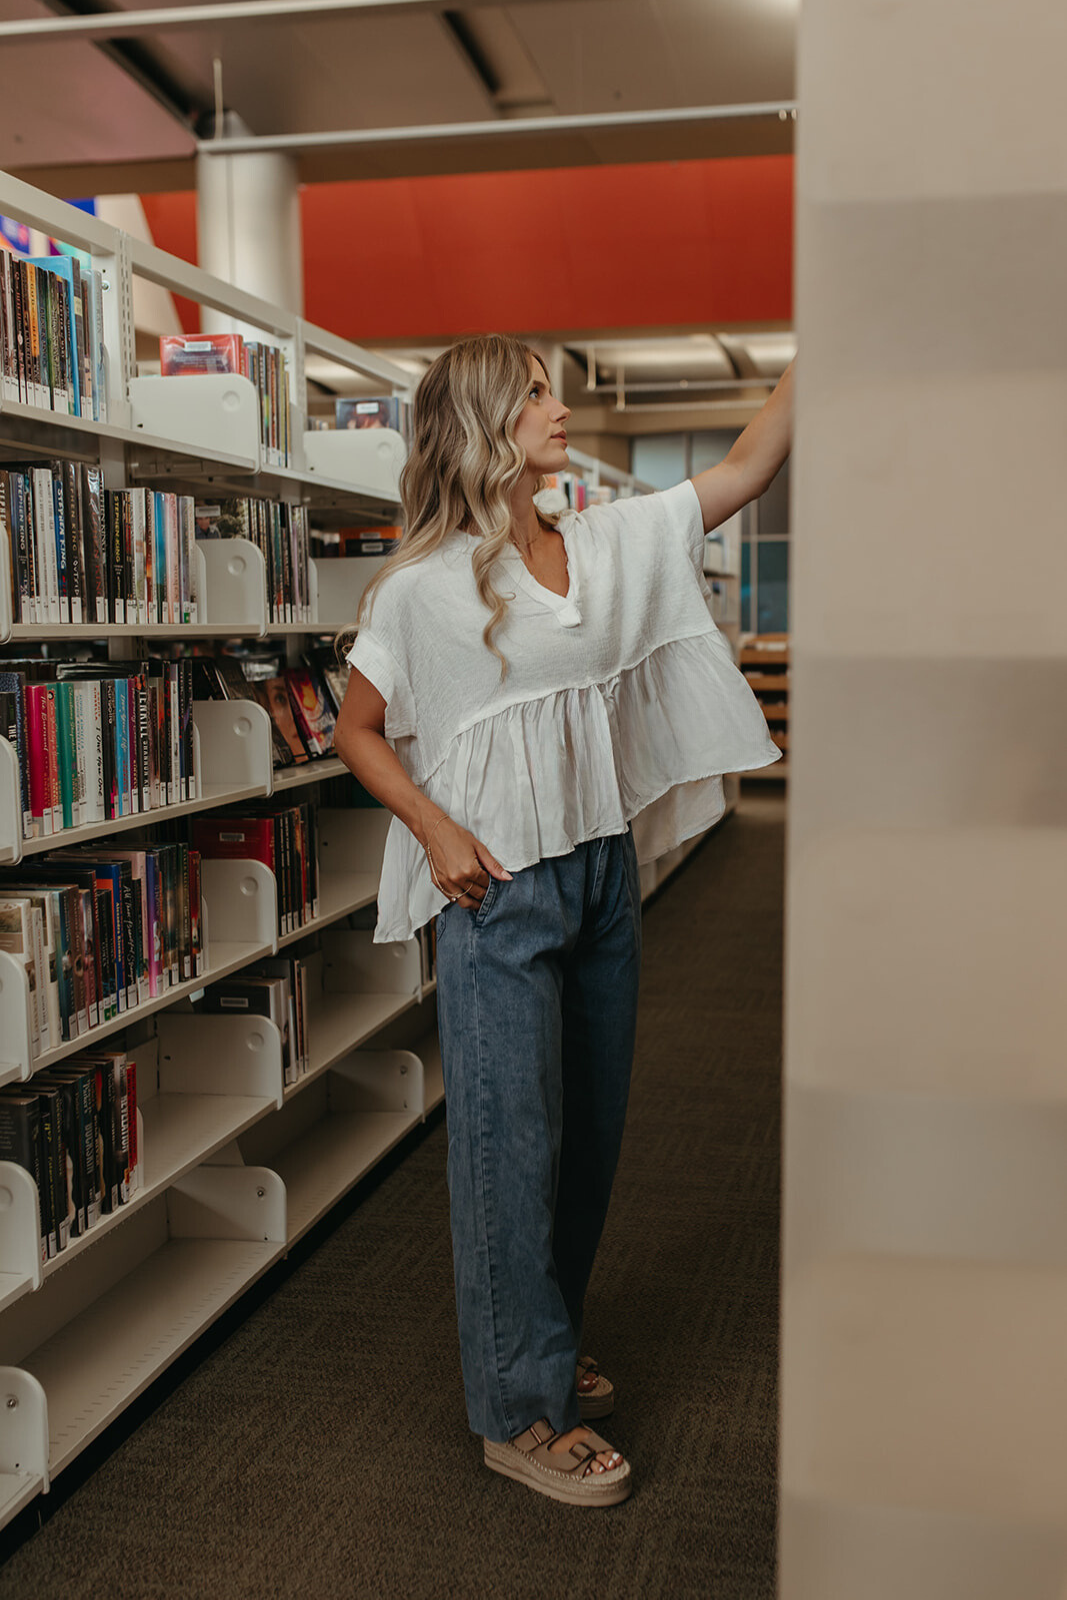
322 1448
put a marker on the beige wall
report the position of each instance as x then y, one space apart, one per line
924 1428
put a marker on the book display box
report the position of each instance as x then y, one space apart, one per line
237 1158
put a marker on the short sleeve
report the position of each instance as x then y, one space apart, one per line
369 656
681 507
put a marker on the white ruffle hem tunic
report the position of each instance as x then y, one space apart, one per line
621 704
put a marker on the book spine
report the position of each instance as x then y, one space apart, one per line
187 519
59 534
75 542
137 499
191 776
105 947
174 704
173 561
99 349
95 544
133 1157
109 739
196 920
36 751
64 703
128 918
94 756
92 972
79 704
154 938
47 1185
22 537
105 1122
185 953
87 1120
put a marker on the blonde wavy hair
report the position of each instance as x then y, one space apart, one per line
464 463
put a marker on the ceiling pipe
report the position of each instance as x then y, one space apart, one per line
588 122
116 24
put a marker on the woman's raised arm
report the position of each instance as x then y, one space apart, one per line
753 460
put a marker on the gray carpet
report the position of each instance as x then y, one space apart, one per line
322 1449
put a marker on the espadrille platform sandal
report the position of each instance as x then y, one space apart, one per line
596 1394
567 1475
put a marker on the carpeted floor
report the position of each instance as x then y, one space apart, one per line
322 1449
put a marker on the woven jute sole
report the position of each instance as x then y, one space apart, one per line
598 1489
596 1405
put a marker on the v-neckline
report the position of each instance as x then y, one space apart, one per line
565 606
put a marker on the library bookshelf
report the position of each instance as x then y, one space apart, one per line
764 660
238 1157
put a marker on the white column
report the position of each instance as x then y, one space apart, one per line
249 226
924 1375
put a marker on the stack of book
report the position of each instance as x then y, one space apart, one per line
98 740
276 989
302 701
264 365
52 335
284 838
74 1130
83 553
101 931
281 532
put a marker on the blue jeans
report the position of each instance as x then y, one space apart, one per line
537 1008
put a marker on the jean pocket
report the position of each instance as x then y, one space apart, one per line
487 902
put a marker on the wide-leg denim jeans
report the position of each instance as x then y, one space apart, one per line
537 1007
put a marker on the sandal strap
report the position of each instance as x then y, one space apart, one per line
536 1442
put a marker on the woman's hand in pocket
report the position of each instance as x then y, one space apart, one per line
460 865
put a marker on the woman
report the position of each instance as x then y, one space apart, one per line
526 688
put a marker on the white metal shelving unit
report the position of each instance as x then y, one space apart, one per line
84 1334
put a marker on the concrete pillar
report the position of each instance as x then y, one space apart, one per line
924 1379
249 226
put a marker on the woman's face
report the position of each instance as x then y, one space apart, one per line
540 430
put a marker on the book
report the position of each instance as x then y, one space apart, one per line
368 540
18 938
20 1138
332 673
311 709
182 353
280 708
259 995
379 411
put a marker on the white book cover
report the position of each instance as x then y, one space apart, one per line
137 535
10 365
45 546
94 755
187 522
19 939
175 734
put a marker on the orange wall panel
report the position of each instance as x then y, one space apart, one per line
601 247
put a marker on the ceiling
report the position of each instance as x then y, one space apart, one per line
133 106
124 115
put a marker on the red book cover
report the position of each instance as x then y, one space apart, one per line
53 757
181 353
37 759
313 715
235 838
